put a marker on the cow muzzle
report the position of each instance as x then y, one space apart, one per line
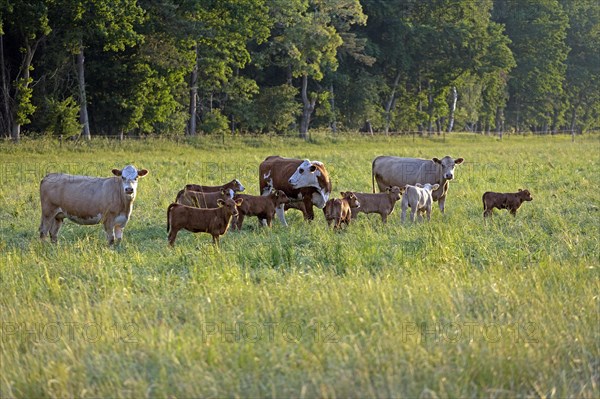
448 176
129 191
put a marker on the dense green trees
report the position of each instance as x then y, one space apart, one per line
188 66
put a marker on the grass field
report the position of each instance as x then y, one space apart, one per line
450 308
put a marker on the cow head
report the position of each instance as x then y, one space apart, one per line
525 195
395 192
129 179
313 174
229 193
351 198
230 204
237 186
428 187
279 197
448 163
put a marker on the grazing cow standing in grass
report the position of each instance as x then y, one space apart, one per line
89 200
418 198
214 221
261 206
199 199
381 203
340 209
395 171
510 201
306 183
234 185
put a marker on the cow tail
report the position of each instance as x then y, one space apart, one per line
373 174
169 216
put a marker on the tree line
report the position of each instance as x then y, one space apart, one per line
169 67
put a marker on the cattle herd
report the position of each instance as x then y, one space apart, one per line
284 183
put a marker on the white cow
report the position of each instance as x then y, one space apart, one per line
89 200
395 171
418 198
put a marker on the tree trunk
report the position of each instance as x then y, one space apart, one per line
26 69
83 114
573 121
307 109
452 109
191 131
499 122
429 109
390 104
333 122
6 115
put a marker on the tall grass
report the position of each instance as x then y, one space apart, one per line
450 308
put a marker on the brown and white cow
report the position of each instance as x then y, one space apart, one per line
381 203
261 206
199 199
395 171
339 210
89 200
510 201
306 183
214 221
419 199
234 185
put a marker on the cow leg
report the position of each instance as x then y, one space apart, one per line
309 214
239 222
280 214
403 216
513 212
56 225
384 217
172 235
119 233
45 226
442 203
216 240
109 230
413 212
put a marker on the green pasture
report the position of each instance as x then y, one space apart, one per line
450 308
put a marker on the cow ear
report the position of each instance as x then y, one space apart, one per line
239 201
435 187
418 185
142 173
458 161
520 189
220 202
276 193
117 172
436 160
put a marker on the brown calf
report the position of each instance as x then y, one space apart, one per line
340 209
262 206
381 203
214 221
234 185
199 199
510 201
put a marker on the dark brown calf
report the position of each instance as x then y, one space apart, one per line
214 221
234 185
262 206
340 209
381 203
510 201
199 199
